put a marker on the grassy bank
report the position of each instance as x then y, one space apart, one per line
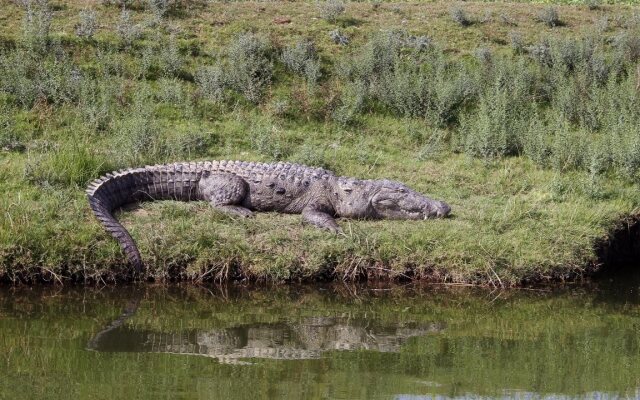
522 116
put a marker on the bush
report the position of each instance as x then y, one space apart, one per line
36 25
535 140
194 143
212 82
338 37
517 42
330 10
127 30
593 4
495 128
158 7
170 91
628 44
351 102
459 16
29 77
169 58
483 55
541 52
250 66
88 24
550 17
302 59
267 140
569 147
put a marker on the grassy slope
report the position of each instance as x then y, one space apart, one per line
512 220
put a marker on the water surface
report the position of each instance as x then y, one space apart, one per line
334 342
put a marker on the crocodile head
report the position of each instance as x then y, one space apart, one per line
388 200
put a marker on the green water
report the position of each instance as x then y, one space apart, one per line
334 342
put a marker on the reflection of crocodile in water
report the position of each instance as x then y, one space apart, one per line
305 339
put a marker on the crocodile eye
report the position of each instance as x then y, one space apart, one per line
401 190
348 190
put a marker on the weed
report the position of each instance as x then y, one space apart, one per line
459 16
483 55
266 139
36 25
331 10
302 59
505 19
127 30
338 37
212 82
593 4
250 66
170 59
550 17
88 24
517 42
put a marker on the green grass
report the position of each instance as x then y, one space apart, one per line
538 161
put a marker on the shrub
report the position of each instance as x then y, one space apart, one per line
535 140
127 30
351 102
88 24
29 76
250 66
267 140
169 58
628 44
550 17
11 139
492 131
569 149
170 91
451 91
194 143
407 91
459 16
483 55
593 4
158 7
602 24
212 82
541 52
36 25
505 19
302 59
138 139
419 43
330 10
517 42
94 106
338 37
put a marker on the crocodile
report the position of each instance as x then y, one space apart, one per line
240 188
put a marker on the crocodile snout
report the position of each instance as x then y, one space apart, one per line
442 209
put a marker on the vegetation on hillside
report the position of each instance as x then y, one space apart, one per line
531 135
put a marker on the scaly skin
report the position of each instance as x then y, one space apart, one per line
240 188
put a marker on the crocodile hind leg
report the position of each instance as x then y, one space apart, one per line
320 219
225 192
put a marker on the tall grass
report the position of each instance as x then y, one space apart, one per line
544 101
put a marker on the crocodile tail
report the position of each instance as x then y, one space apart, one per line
104 196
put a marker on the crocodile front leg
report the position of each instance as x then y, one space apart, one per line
225 192
320 219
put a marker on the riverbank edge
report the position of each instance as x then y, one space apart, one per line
614 253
